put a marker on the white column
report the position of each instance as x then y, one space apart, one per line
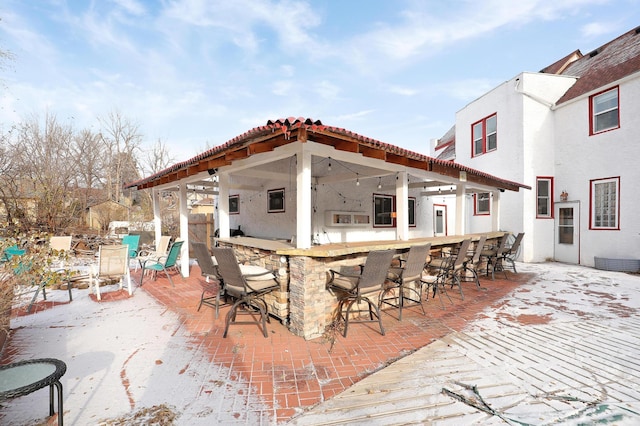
402 207
184 231
303 199
223 205
495 211
461 209
157 218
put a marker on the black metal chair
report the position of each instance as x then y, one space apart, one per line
213 285
355 288
405 280
247 289
511 252
471 265
435 276
494 258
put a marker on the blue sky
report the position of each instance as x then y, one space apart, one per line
196 73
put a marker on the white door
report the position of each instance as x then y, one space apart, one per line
439 220
567 227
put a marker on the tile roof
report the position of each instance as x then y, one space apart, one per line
281 131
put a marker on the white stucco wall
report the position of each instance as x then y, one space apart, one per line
254 219
581 158
525 150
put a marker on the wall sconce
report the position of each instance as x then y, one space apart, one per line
564 196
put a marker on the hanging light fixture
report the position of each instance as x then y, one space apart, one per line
329 166
357 179
379 183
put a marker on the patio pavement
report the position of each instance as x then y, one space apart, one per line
555 344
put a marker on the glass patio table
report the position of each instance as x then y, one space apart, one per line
24 377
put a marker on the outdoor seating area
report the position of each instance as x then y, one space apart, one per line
276 370
64 261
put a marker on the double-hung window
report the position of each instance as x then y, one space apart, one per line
544 195
482 204
605 204
605 112
484 135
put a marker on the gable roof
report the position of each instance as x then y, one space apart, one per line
611 62
281 132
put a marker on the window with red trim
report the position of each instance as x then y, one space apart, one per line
604 111
484 135
605 205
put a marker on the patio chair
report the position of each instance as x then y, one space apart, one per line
470 266
247 289
160 250
213 282
494 258
60 243
457 267
113 262
405 280
511 252
133 242
434 277
354 288
164 263
11 251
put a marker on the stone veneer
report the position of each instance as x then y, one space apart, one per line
303 302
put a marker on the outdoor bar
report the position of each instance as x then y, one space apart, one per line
303 302
298 197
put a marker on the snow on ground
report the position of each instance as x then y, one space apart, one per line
122 356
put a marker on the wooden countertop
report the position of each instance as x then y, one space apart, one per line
285 248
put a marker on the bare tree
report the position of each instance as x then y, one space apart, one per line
121 142
89 157
157 158
44 157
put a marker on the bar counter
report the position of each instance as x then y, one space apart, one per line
285 248
303 303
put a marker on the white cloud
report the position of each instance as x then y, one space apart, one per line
282 88
467 89
596 29
327 90
244 22
355 115
404 91
418 32
131 6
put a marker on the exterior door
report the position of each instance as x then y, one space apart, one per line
567 236
439 220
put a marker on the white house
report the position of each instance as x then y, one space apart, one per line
571 132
